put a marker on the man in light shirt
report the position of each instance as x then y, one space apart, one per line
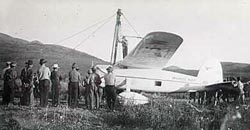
44 82
74 80
110 88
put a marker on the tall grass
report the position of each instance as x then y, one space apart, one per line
160 114
169 114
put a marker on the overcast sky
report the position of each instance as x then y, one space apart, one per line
210 28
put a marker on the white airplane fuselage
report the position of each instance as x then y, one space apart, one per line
152 80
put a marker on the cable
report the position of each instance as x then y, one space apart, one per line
84 40
85 29
131 25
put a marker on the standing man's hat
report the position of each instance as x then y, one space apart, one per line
89 71
8 63
29 62
74 65
13 64
93 68
42 61
110 68
55 66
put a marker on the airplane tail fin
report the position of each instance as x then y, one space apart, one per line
211 72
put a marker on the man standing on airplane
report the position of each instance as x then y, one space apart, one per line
44 82
110 88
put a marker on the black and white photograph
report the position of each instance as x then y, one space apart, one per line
124 65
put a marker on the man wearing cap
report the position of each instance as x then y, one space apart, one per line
55 79
44 82
110 88
94 82
27 83
74 80
10 77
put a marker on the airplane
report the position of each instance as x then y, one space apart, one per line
142 70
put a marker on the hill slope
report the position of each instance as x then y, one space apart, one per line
14 49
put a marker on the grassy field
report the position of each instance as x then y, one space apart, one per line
162 113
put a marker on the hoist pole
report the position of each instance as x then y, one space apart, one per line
116 37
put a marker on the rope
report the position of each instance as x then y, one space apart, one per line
84 40
131 25
93 25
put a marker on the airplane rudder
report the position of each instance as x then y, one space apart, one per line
211 72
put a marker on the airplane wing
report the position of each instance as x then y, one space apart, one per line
153 51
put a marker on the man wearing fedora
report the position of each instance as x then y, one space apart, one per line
10 77
44 82
27 83
55 79
74 80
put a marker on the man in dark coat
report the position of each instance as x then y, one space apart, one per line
55 79
5 82
27 83
10 77
94 82
87 89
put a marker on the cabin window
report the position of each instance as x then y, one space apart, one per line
157 83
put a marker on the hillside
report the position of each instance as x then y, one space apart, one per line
14 49
231 69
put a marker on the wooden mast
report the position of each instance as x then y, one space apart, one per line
116 37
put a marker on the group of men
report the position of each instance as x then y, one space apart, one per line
44 78
206 96
27 77
94 92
